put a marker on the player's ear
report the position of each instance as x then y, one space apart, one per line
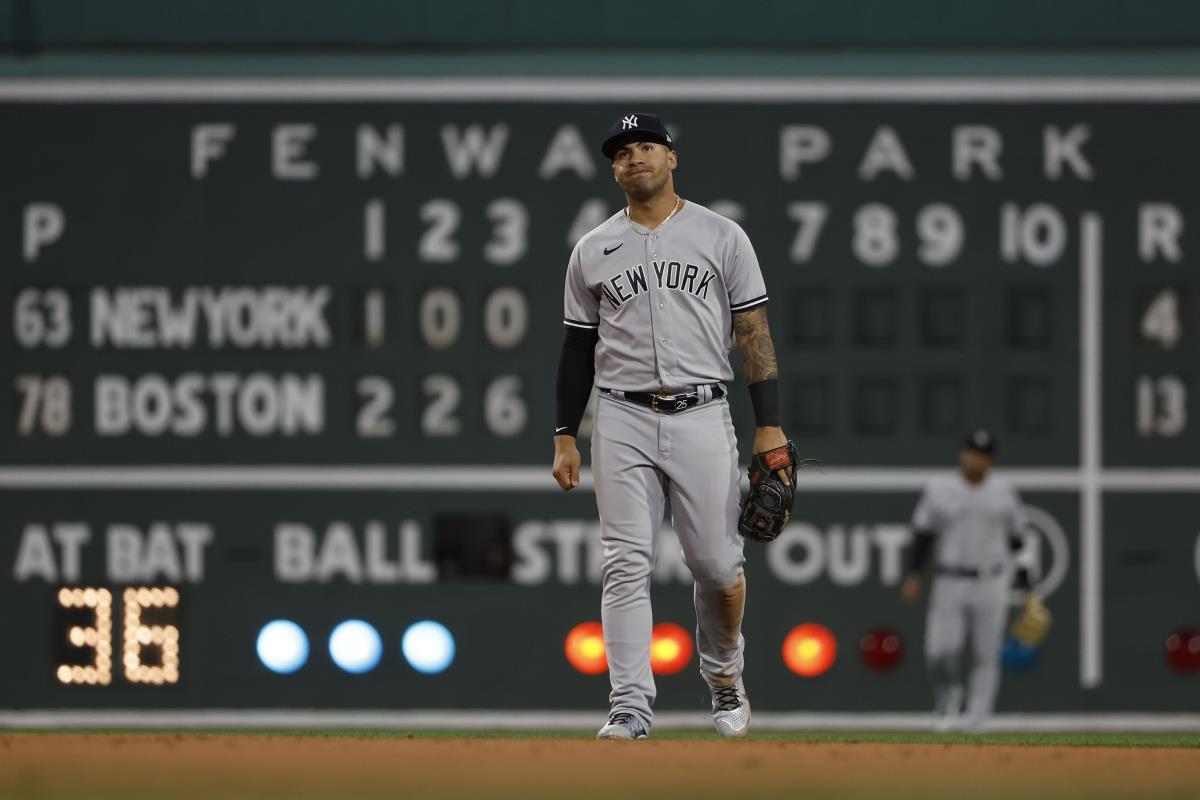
672 159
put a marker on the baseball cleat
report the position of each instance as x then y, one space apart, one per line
731 710
946 713
944 723
623 725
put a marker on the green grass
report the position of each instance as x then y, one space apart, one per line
1073 739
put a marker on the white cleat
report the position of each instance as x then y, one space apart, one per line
947 715
731 710
623 725
945 723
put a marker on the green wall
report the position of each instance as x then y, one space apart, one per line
508 23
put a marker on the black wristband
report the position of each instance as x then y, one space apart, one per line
764 396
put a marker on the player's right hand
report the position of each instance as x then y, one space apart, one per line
910 590
566 462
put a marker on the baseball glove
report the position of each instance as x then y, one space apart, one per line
1032 623
768 506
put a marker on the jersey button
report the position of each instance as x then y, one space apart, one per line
654 236
664 340
660 305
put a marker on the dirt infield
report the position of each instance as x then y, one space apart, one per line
186 765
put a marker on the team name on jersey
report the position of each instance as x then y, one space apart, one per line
669 275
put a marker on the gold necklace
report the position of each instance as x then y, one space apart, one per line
674 211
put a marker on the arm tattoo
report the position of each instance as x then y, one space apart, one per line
754 340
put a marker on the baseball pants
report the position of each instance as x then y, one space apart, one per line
641 460
960 607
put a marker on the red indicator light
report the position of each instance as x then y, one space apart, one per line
881 649
670 648
809 650
1182 649
585 648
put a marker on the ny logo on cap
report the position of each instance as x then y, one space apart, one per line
629 122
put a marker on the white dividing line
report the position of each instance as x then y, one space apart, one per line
1091 531
266 476
591 90
151 719
514 477
455 478
1150 480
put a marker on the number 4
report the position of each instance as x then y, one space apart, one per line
1160 323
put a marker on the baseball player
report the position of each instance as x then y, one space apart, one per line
654 296
972 523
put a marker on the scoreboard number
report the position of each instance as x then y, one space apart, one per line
45 403
510 231
1161 406
438 419
440 317
504 409
437 244
1160 322
876 240
136 636
941 230
372 421
505 317
42 318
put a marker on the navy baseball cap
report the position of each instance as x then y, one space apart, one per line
980 440
637 127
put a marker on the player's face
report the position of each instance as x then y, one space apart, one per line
643 169
974 464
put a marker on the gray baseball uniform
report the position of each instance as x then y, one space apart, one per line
972 573
662 302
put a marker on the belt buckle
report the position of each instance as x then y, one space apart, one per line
653 401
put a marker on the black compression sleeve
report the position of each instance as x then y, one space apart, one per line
1021 578
921 549
764 397
576 371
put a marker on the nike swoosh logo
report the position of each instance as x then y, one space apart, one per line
563 428
615 249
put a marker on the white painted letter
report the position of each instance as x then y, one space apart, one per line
1160 226
801 144
387 152
886 151
288 143
208 144
567 151
474 148
977 145
1063 148
44 224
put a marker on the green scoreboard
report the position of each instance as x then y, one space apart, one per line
275 349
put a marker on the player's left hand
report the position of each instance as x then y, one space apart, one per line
566 462
768 439
911 589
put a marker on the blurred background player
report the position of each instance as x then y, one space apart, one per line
972 523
